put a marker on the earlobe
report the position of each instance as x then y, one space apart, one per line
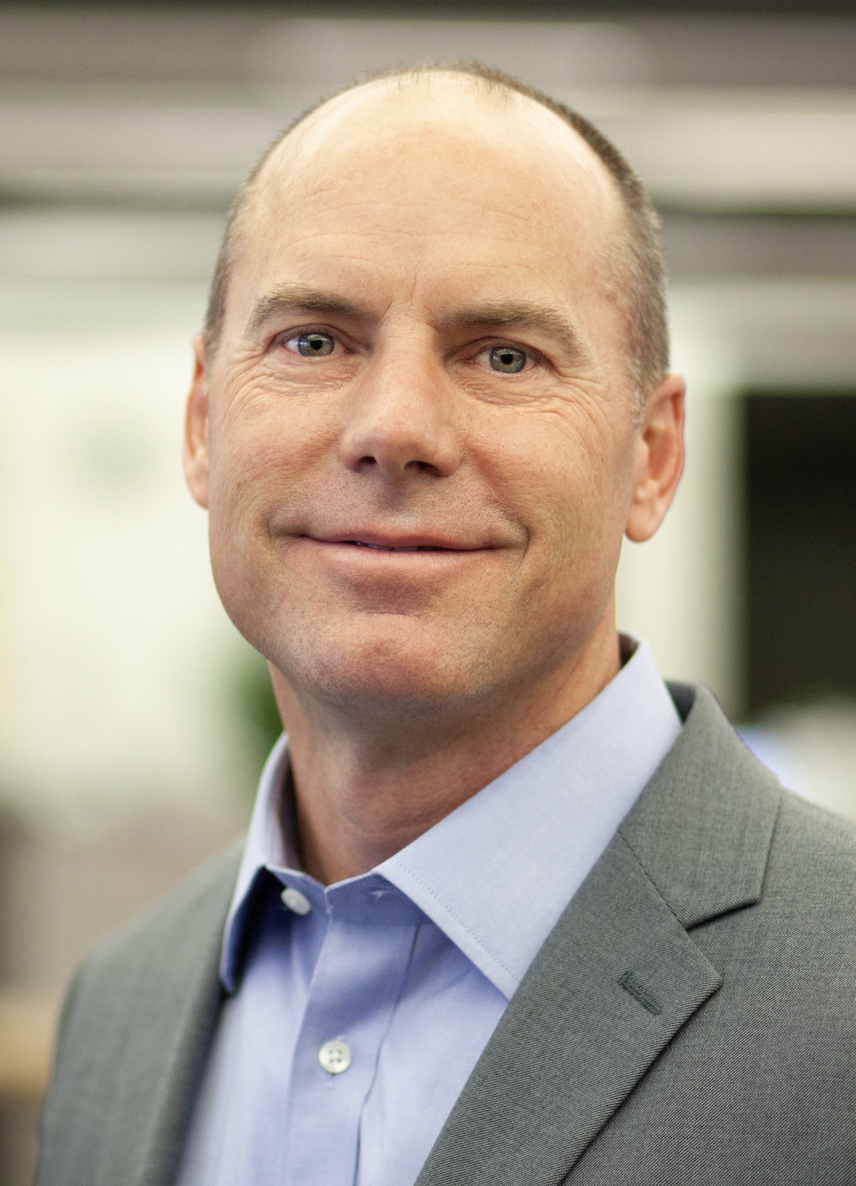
196 426
659 460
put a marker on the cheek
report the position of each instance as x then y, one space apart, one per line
555 459
568 486
251 464
260 447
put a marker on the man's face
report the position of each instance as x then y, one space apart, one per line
419 448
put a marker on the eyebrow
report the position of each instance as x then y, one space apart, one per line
501 315
299 296
515 315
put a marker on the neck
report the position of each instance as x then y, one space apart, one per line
363 793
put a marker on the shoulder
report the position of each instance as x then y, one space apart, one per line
137 1021
711 773
185 918
759 1083
781 927
154 953
718 833
811 872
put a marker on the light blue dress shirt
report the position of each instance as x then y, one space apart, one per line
410 965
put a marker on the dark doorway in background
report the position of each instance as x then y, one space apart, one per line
801 461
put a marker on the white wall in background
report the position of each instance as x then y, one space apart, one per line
113 644
681 590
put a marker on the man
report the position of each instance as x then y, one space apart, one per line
509 912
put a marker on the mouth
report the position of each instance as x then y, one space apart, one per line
376 542
358 543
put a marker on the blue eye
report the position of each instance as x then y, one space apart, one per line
314 345
507 360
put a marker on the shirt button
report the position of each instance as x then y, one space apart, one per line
296 901
335 1056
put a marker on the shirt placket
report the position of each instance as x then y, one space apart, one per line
354 989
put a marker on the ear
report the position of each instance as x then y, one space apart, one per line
659 459
196 425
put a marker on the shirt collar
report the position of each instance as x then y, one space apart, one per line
495 874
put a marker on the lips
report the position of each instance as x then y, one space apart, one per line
358 543
385 542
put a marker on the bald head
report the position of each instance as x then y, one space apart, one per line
466 129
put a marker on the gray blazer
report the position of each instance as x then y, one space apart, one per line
690 1020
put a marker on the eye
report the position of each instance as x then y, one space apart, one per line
507 359
312 344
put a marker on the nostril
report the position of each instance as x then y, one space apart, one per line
392 466
399 449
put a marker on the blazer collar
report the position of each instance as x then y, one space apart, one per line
619 974
702 828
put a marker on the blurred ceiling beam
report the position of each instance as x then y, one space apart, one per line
171 107
744 128
566 9
699 151
246 45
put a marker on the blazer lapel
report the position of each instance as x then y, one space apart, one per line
619 975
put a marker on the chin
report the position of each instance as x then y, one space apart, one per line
384 673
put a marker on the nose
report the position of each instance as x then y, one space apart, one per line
400 418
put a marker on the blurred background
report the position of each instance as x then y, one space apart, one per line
133 719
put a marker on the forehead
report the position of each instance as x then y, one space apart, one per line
435 108
436 174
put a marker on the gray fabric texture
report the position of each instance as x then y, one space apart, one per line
691 1019
136 1028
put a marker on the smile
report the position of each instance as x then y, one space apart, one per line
379 541
385 548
